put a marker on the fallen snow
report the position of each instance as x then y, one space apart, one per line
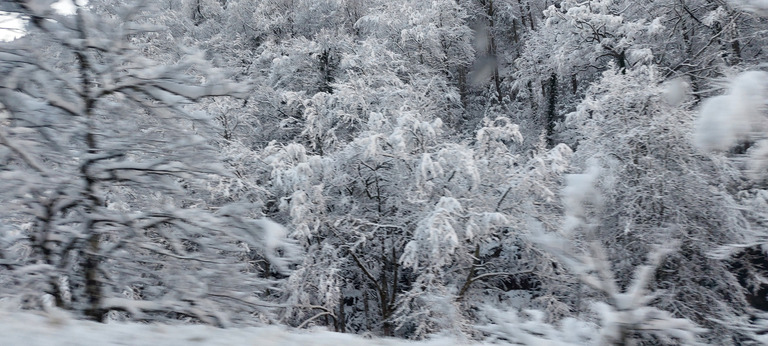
57 329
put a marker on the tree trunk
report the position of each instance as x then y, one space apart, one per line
92 283
552 116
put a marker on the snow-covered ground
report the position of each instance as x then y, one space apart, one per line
57 329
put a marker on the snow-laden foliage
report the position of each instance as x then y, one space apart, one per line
655 190
625 316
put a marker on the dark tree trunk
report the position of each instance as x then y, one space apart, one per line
552 116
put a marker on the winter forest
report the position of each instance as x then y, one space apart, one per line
527 172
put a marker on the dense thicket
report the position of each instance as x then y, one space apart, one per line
506 170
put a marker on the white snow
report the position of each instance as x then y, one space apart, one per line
750 92
758 6
757 164
675 92
274 234
735 116
578 193
56 328
66 6
11 26
714 127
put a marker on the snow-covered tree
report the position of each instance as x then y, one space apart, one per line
656 189
103 175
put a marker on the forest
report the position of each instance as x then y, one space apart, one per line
528 172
